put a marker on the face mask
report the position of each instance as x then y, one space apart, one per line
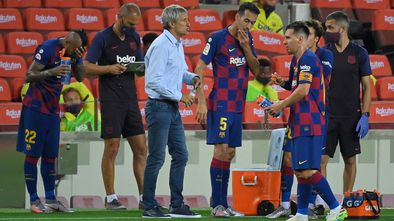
332 37
263 80
127 30
74 108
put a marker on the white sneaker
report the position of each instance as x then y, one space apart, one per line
298 218
232 212
220 211
280 212
337 215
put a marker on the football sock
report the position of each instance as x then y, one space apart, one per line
287 175
304 190
111 197
323 188
220 172
285 205
312 198
48 175
30 169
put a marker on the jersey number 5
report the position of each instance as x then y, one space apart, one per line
30 136
223 123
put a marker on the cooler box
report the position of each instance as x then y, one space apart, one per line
256 191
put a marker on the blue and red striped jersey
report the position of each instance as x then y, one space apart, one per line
230 71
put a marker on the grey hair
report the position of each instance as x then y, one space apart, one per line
129 8
171 14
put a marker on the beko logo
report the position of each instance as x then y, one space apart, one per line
125 59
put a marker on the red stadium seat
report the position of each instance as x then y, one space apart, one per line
188 114
196 201
322 42
56 34
140 87
16 85
383 27
152 19
282 93
193 43
63 3
84 18
208 71
321 8
207 86
87 202
364 9
130 202
392 3
5 91
95 87
385 88
141 105
228 17
2 45
254 114
23 42
12 66
111 17
10 113
281 65
144 3
380 65
29 60
204 20
101 3
10 19
44 19
22 3
382 112
190 4
189 64
91 37
268 44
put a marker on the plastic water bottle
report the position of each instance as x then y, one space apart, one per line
66 79
265 102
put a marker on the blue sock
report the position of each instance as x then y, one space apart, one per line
287 177
30 170
304 190
48 177
313 196
219 182
323 189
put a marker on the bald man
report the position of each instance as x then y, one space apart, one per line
39 127
112 49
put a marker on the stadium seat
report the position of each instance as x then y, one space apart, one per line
188 114
228 17
16 85
364 9
207 86
12 66
204 20
193 43
23 42
382 112
80 201
281 65
143 4
383 28
84 18
29 60
2 45
140 87
141 105
189 64
385 88
63 3
380 65
44 19
95 87
321 43
321 8
282 93
152 19
196 201
10 19
56 34
163 200
130 202
392 3
85 81
10 113
111 17
101 3
21 3
254 116
190 4
268 44
5 91
208 71
91 37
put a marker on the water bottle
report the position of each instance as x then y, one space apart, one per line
265 102
66 79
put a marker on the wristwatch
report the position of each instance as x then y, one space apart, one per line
366 114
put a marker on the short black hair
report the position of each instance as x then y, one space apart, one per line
149 38
264 62
248 6
84 37
299 27
317 26
340 17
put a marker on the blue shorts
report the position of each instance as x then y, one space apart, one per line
306 152
38 134
224 128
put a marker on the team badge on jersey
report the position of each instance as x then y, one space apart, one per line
206 49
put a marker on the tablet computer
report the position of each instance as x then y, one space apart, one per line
137 68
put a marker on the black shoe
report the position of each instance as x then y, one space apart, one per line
319 210
183 212
114 205
154 213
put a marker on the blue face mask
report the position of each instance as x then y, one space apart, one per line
127 30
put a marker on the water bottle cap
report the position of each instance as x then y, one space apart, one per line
66 58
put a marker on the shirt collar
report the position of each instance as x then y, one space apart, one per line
172 38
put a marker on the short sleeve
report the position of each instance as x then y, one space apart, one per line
327 60
43 54
96 49
307 70
210 48
365 66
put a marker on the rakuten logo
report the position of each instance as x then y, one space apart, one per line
191 87
26 42
389 19
158 19
1 89
14 114
287 64
85 19
7 18
269 40
376 64
185 113
390 87
204 19
45 19
373 1
125 59
259 112
238 61
191 42
384 112
7 66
